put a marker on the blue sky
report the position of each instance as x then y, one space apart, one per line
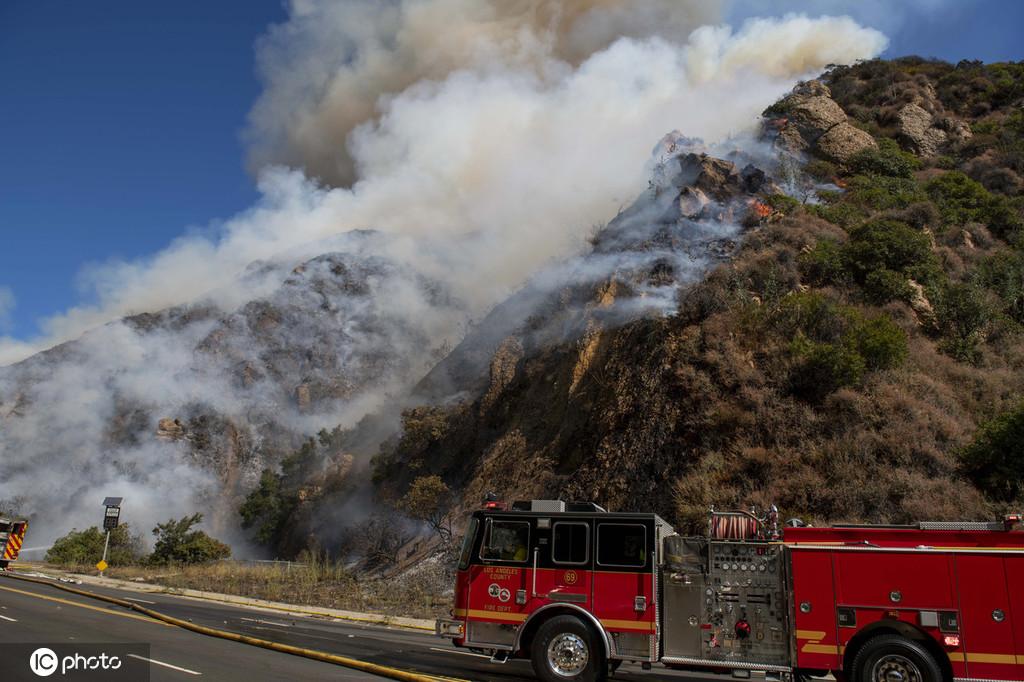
120 120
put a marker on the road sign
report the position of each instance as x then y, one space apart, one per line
101 565
111 518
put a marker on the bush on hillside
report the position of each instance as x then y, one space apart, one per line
888 159
882 192
1003 273
835 345
85 547
962 314
178 543
266 508
883 254
995 460
962 200
824 264
822 368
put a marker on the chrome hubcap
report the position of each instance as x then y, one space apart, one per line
567 654
895 668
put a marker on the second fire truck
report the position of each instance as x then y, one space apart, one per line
12 535
579 590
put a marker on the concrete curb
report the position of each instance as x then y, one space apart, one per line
256 604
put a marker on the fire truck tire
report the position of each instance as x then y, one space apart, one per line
893 658
566 650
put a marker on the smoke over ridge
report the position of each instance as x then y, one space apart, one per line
484 139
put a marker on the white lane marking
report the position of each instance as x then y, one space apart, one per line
9 619
142 601
166 665
266 622
460 653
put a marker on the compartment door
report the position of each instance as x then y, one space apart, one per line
986 620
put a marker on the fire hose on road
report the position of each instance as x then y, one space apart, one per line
355 664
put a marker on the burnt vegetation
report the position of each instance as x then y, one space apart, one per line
859 357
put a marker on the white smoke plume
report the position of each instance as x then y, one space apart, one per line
486 139
518 153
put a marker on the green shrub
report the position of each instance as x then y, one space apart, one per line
834 345
824 264
782 203
961 200
177 543
810 315
888 159
267 508
962 315
85 547
883 193
822 368
821 170
995 460
880 341
1003 273
844 214
881 252
884 285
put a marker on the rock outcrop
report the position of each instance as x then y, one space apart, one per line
810 121
926 134
198 399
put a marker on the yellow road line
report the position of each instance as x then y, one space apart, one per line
365 666
87 606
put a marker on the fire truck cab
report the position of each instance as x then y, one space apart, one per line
578 590
12 535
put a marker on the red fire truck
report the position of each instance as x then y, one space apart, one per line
12 535
579 590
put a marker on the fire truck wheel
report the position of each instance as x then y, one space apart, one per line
892 658
564 650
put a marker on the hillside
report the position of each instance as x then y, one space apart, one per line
181 409
826 314
857 356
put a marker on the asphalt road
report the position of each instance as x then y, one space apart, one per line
35 613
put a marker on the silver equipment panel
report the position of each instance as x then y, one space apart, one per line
726 602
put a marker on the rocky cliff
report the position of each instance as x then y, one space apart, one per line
181 409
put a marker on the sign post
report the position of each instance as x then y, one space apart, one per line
111 518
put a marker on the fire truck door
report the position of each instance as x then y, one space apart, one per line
500 584
985 617
623 585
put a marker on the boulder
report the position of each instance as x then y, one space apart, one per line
815 116
843 141
717 178
918 132
691 202
170 430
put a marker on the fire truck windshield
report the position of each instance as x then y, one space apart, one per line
506 541
467 543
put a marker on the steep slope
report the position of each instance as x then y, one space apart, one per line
837 365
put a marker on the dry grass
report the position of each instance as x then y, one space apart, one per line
422 592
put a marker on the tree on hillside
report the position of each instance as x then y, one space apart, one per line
176 542
266 508
995 460
85 547
428 500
